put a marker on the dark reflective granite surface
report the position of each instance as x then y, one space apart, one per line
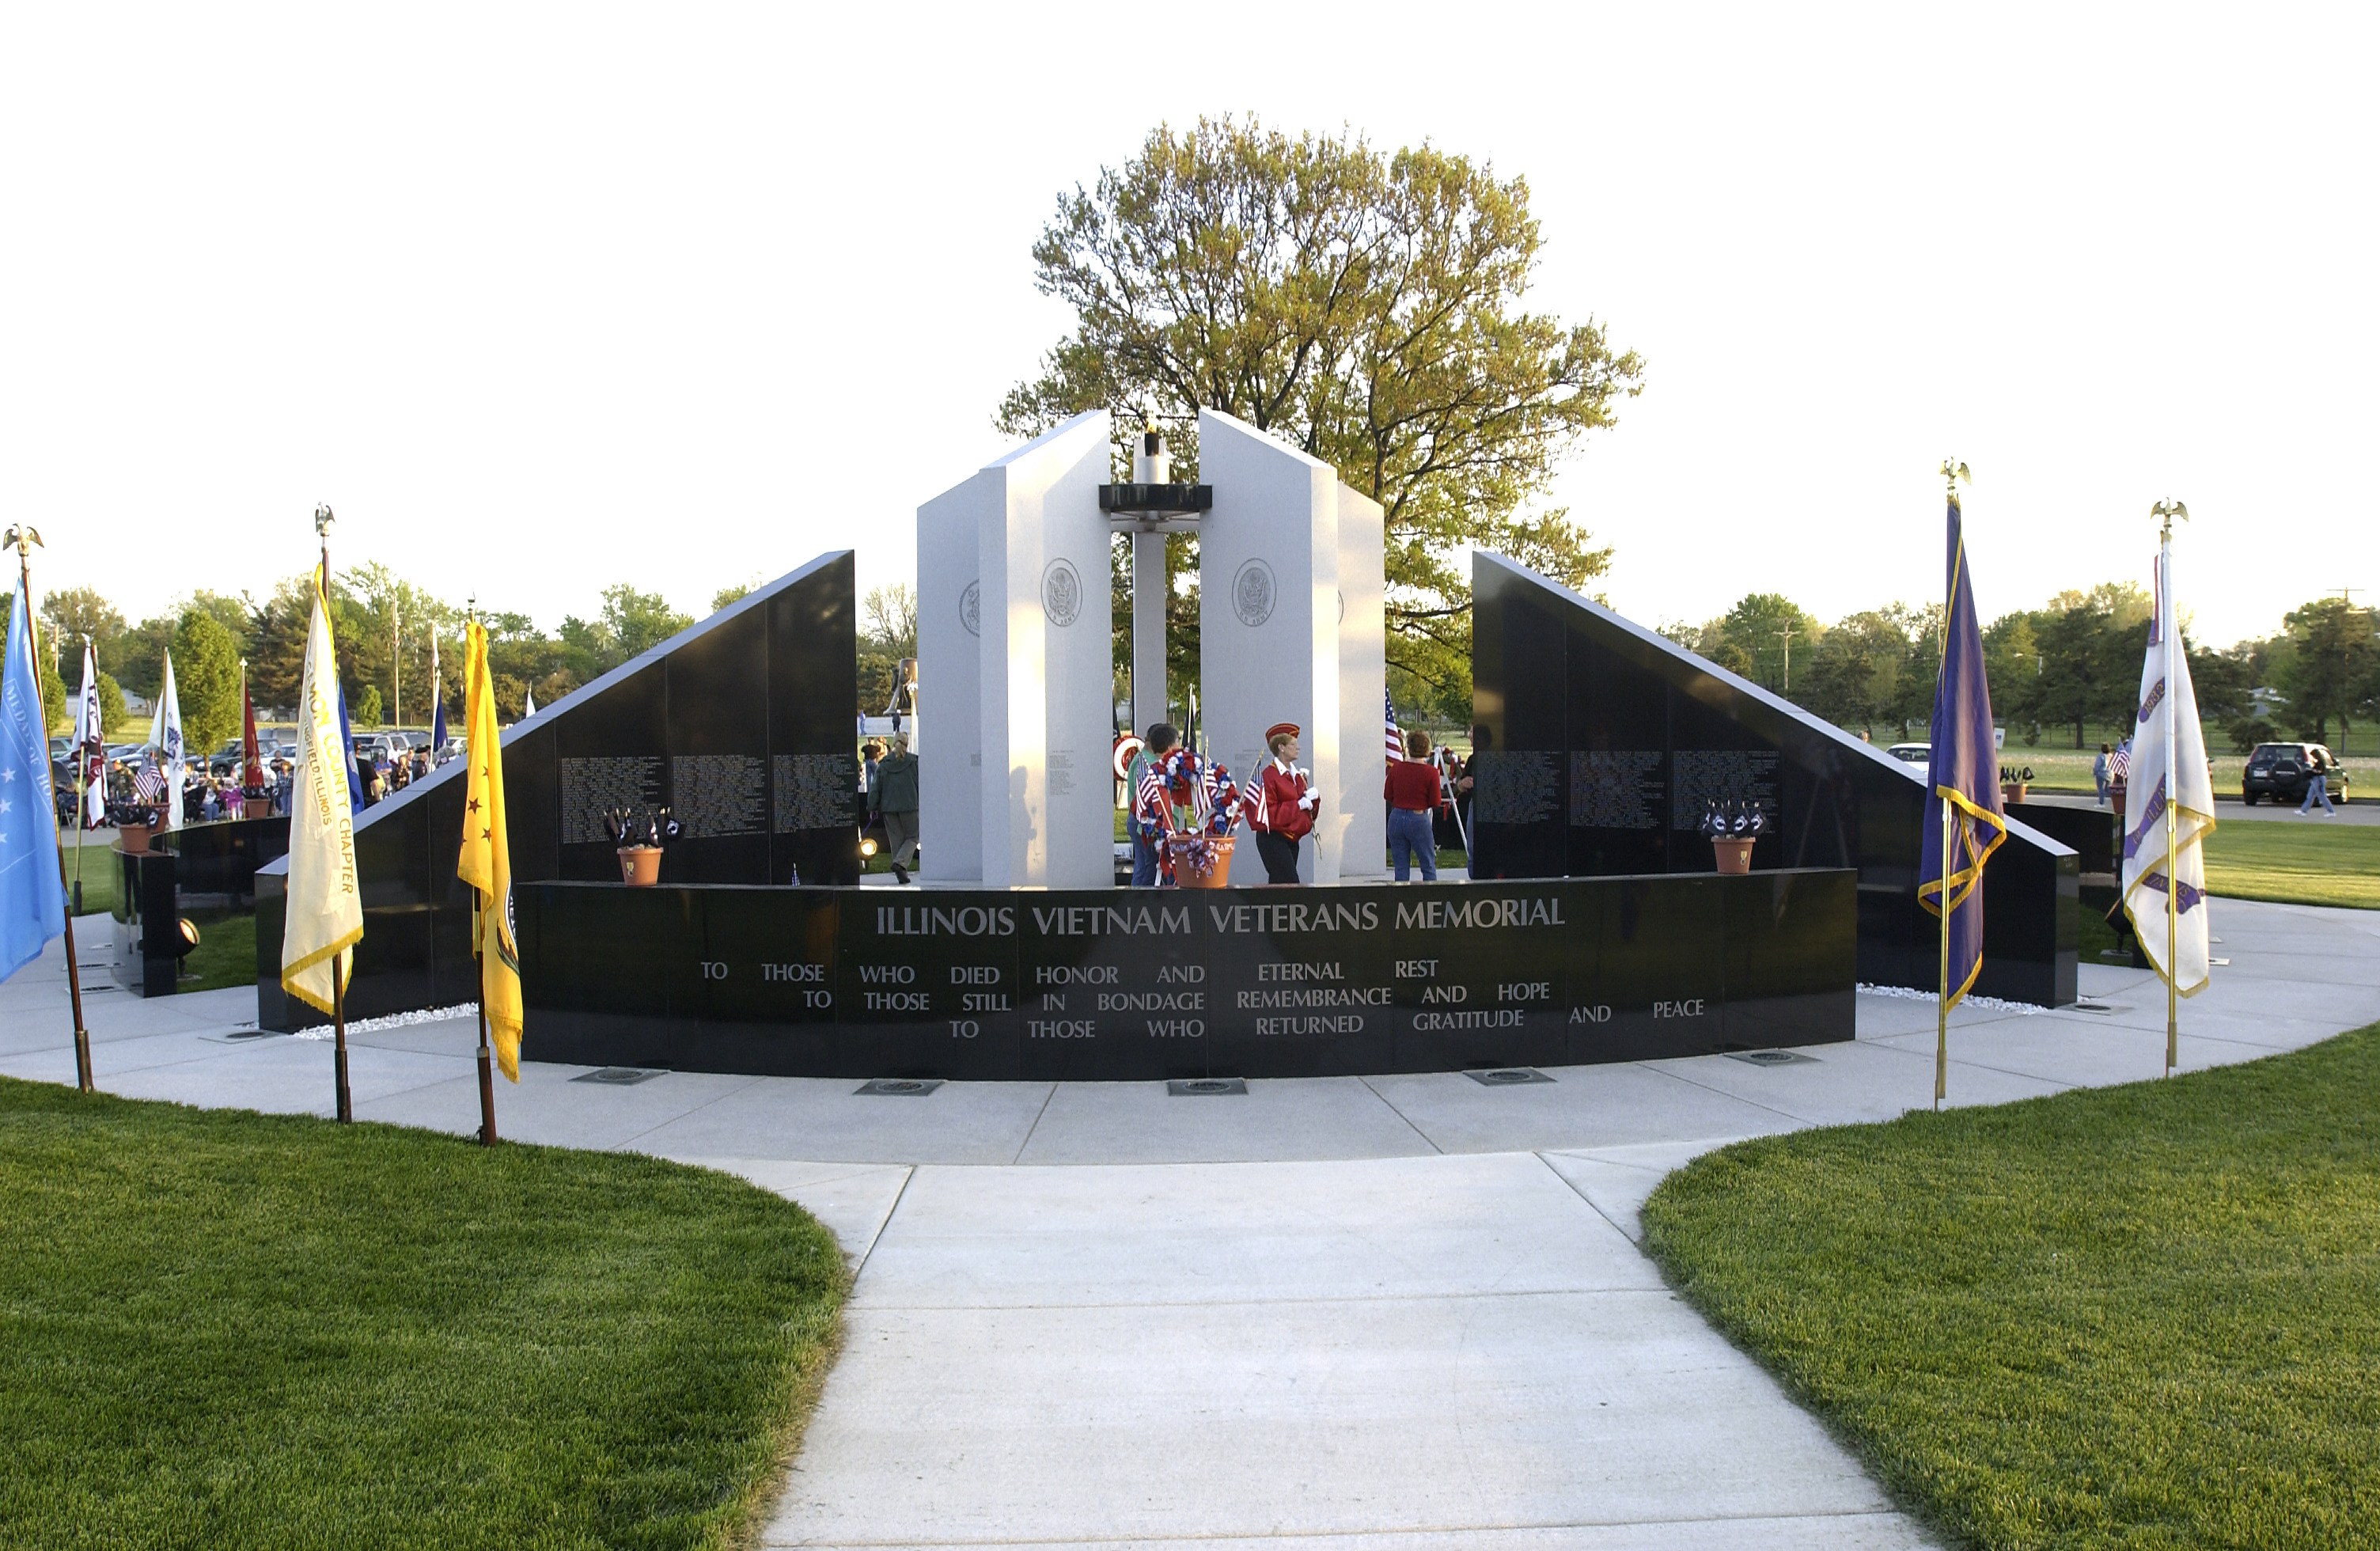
1244 983
1603 742
742 724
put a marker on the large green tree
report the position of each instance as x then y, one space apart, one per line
1765 629
2091 644
631 622
71 614
2331 669
1854 677
206 676
1363 306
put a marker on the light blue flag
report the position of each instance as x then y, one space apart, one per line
33 896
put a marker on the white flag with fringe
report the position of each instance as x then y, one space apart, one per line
2169 759
326 917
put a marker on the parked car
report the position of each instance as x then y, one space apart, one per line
373 748
2281 771
1913 754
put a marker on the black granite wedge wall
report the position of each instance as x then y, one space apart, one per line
1605 739
742 723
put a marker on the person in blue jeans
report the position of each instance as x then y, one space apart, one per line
1150 816
2317 791
1412 793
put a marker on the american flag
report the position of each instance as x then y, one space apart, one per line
149 781
2119 762
1396 738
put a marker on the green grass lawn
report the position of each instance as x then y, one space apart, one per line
2296 861
224 1329
2135 1316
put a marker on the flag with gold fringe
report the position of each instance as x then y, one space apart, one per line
326 917
1962 773
486 862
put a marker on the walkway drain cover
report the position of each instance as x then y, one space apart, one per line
621 1076
1199 1087
1768 1058
899 1087
1507 1076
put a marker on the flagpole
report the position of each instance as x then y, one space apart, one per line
23 538
478 956
1950 473
82 786
2167 625
347 1108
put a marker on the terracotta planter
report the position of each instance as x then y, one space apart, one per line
255 807
1217 873
640 865
1734 855
2013 790
133 838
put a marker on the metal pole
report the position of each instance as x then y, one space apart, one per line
23 538
1950 473
2170 627
347 1108
1942 997
487 1077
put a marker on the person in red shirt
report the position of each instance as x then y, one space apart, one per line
1411 792
1280 805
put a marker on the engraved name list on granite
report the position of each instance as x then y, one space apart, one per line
720 794
589 789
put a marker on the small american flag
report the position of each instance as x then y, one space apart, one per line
1396 738
2119 762
149 781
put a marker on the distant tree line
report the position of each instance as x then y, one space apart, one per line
385 627
2070 668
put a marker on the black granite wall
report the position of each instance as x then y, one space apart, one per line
995 983
1604 739
742 723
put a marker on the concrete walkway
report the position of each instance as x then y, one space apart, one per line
1394 1311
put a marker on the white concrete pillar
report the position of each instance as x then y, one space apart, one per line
1037 769
950 673
1269 620
1363 835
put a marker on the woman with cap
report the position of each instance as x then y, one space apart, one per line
1280 807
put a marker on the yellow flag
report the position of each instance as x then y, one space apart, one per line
486 863
325 918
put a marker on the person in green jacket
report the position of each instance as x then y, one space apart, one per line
896 802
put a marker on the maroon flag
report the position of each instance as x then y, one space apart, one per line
251 758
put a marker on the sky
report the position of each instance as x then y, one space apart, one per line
539 299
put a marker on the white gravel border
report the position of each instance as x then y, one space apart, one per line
1906 994
394 1020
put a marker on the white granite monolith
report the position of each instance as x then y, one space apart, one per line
1027 761
1277 644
